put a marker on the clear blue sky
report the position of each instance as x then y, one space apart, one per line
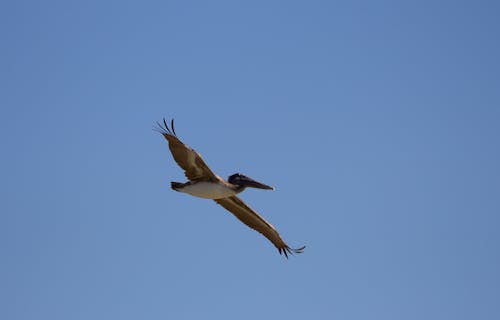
377 121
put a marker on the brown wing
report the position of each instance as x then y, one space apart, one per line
188 159
252 219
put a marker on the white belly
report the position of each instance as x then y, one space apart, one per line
208 190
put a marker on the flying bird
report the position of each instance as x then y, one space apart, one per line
203 183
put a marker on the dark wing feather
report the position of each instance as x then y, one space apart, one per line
252 219
188 159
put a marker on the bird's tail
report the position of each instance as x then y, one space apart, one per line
176 185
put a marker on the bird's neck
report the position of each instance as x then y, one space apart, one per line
238 188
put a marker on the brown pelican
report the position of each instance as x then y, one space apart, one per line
204 183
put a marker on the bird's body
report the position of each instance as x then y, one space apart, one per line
207 190
204 183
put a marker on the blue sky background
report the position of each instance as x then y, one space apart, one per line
377 121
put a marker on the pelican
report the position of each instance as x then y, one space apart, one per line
204 183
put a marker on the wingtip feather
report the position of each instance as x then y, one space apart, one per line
287 250
172 125
299 250
164 129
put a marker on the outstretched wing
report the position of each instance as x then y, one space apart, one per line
188 159
252 219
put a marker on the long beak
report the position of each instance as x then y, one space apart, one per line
248 182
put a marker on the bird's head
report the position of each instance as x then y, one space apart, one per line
244 181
